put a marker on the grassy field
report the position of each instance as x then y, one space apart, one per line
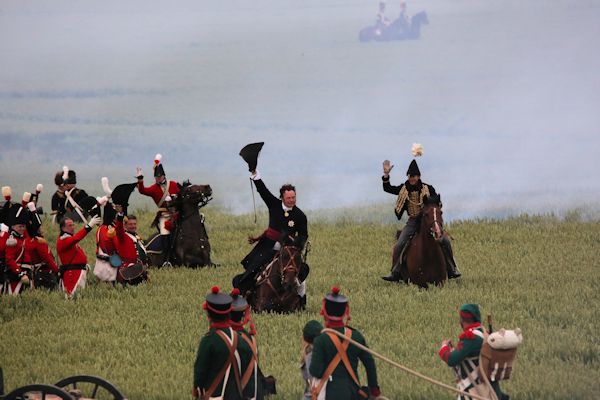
537 273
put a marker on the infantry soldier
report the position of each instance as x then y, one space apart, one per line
65 200
335 364
222 354
465 357
410 199
18 272
285 218
72 257
162 192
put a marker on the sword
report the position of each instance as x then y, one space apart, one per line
76 206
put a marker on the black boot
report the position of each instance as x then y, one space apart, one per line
166 248
393 277
451 267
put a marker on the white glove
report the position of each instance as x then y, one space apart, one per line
39 188
168 198
3 228
255 176
102 200
138 172
31 206
94 221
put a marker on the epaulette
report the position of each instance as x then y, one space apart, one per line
64 235
41 240
11 242
110 232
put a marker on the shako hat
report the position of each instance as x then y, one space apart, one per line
250 154
17 215
69 176
413 168
239 302
470 311
217 302
158 168
335 304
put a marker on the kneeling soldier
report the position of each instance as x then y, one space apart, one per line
334 363
222 354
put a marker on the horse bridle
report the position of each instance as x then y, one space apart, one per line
264 277
436 227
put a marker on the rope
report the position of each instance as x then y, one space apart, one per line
403 368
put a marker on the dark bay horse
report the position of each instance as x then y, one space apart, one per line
276 287
424 261
190 239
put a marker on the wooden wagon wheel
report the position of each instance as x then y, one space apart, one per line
39 392
89 387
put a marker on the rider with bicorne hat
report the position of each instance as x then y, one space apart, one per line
285 219
410 199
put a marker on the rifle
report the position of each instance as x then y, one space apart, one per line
489 321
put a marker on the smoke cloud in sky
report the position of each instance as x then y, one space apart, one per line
504 96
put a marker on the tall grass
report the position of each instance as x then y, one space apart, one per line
537 273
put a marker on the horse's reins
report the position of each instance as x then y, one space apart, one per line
267 273
403 368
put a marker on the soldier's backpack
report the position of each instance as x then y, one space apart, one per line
498 353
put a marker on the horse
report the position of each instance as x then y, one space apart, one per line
276 287
423 259
190 245
397 30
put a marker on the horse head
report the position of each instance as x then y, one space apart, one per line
419 18
432 216
290 259
196 195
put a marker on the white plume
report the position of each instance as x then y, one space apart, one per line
39 188
105 186
65 172
26 197
6 191
102 200
417 149
158 157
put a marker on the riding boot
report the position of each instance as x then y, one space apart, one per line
451 267
166 248
394 276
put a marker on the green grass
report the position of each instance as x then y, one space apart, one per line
538 273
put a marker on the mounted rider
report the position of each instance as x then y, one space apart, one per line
410 199
381 21
334 363
464 358
285 220
222 355
162 192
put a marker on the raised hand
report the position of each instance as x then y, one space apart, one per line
387 167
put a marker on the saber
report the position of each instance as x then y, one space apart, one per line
403 368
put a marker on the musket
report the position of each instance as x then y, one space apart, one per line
489 321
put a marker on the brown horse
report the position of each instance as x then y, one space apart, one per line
423 259
276 287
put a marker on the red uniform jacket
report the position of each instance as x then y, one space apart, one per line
156 191
15 254
104 242
5 235
37 251
125 244
69 251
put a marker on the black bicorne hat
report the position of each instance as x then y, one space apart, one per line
109 214
5 210
413 169
33 224
71 177
17 215
90 206
250 154
335 303
120 195
217 302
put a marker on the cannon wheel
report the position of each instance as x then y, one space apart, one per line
43 390
91 386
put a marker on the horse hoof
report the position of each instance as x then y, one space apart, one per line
167 264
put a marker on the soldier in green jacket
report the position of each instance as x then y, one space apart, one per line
337 377
464 358
222 353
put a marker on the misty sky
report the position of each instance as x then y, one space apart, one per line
504 96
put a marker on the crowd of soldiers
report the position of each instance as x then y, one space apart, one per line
227 362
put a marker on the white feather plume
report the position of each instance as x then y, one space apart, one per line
417 149
158 157
105 186
102 200
6 191
65 172
39 188
26 197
